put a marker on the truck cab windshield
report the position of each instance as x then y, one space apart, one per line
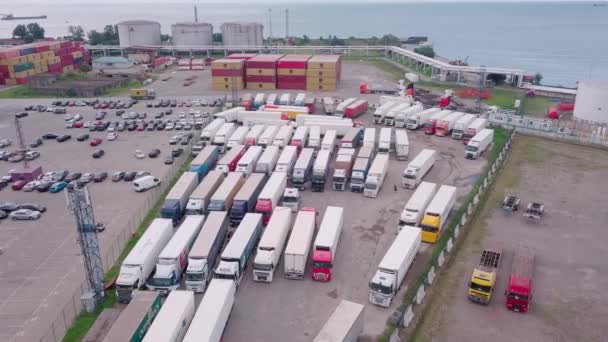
429 229
480 288
323 265
517 296
370 186
471 148
262 267
194 276
381 288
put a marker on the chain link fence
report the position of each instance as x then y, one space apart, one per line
410 307
111 251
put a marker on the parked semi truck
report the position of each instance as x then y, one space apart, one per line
268 160
283 136
391 114
341 107
353 138
291 199
302 170
402 144
259 100
402 117
345 324
381 111
173 260
446 125
300 137
342 170
475 127
271 194
205 161
355 109
461 125
519 289
142 94
237 137
369 138
239 250
134 321
431 124
139 264
271 245
208 133
247 163
320 169
230 160
212 313
418 168
329 141
360 168
329 105
223 198
298 246
479 143
205 251
287 160
201 196
386 137
173 319
314 137
268 135
483 279
418 120
437 213
326 243
415 207
254 134
375 176
222 135
341 127
246 198
394 266
174 206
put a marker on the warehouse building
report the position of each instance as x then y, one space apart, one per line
592 101
242 34
138 32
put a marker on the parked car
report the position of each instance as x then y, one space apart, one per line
98 154
168 160
8 206
64 137
5 143
112 136
129 176
3 184
118 176
3 214
154 153
44 185
25 214
57 187
60 176
87 177
50 136
37 142
30 186
18 185
95 142
82 137
72 176
33 206
176 152
15 158
139 154
100 177
140 174
31 155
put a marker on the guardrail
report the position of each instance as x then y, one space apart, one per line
408 311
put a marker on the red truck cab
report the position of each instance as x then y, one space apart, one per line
429 126
321 265
264 207
519 291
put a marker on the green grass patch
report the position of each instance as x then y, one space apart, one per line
536 106
500 138
22 92
122 89
84 321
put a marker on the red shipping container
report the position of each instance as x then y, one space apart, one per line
290 79
565 106
293 61
261 79
227 72
158 61
65 44
22 80
9 53
4 71
245 56
291 85
67 60
263 61
56 68
42 48
356 109
2 82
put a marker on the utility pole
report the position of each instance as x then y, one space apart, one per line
195 14
270 26
286 24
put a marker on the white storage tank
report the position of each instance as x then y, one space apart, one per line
192 34
242 34
591 101
138 32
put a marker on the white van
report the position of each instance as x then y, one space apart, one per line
144 183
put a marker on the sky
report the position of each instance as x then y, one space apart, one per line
6 2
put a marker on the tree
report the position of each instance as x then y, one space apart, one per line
165 38
538 78
95 38
110 35
425 51
390 39
35 31
85 68
217 38
305 40
76 33
20 31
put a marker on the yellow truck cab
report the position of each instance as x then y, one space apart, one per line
484 275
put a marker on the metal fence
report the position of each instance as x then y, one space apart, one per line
409 308
111 251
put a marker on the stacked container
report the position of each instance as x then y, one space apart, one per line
197 64
323 73
291 72
19 62
228 73
184 64
262 72
245 56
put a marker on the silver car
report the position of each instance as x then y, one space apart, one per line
25 214
87 177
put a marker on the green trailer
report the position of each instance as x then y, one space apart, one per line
134 321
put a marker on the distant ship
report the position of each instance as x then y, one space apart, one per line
12 17
600 4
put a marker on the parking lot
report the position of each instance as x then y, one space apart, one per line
570 279
41 265
37 283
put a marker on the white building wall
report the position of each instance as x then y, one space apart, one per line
592 101
192 34
138 32
242 34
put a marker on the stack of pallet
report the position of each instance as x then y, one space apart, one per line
198 64
20 62
262 72
227 74
323 73
184 64
291 72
